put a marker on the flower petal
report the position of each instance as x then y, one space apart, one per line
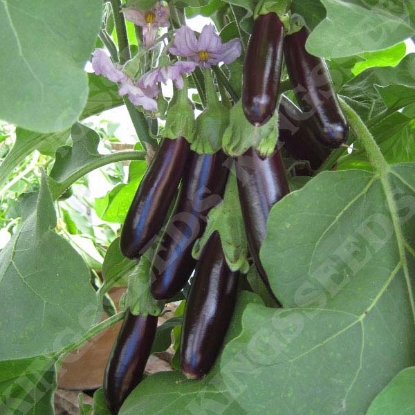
209 40
230 51
149 79
185 42
136 95
135 15
102 65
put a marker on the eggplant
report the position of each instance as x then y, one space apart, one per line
262 182
202 188
209 310
298 138
154 195
128 358
262 69
313 90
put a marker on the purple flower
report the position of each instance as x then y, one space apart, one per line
163 74
150 20
207 50
102 65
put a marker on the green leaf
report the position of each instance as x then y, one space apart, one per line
207 10
171 393
72 163
86 248
312 11
341 249
116 267
163 338
42 64
394 134
387 57
27 386
351 28
316 361
102 95
368 88
398 397
113 207
45 292
26 143
353 242
246 22
100 408
84 408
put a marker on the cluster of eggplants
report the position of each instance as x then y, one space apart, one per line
203 178
202 188
267 49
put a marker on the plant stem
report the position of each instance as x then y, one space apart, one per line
109 44
141 125
362 132
121 30
59 187
91 333
211 96
22 174
198 79
222 79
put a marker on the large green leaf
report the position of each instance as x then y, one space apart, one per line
398 398
171 393
44 49
45 292
353 241
341 248
27 386
354 27
317 361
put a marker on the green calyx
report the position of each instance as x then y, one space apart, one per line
180 119
240 134
212 122
226 218
296 22
138 297
279 7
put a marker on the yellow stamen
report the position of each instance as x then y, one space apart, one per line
150 17
204 55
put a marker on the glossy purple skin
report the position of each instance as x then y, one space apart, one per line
203 185
128 358
209 310
262 182
313 89
298 138
262 69
153 197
